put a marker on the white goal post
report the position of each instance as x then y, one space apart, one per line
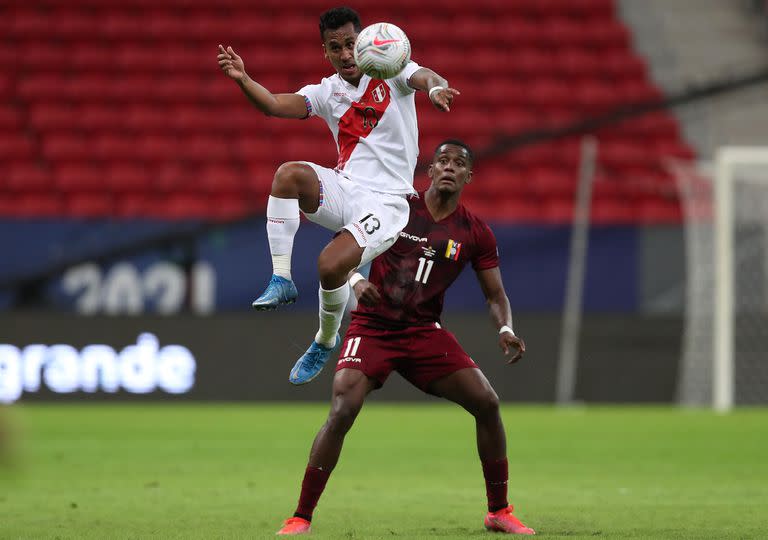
725 346
728 160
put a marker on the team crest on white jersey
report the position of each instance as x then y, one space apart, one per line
379 93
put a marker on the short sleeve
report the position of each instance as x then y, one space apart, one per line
400 81
486 254
315 97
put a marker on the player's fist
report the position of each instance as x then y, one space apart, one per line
443 98
513 346
231 64
366 293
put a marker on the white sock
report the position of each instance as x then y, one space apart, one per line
282 224
331 311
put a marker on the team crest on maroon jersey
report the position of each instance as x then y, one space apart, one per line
428 251
453 250
379 93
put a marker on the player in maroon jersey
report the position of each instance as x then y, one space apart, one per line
397 328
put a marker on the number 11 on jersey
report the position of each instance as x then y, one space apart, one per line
425 267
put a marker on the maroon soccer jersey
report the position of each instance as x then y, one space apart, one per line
413 275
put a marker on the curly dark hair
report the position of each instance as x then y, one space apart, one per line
337 17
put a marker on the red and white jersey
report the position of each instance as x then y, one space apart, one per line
374 125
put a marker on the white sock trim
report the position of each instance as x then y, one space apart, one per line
282 208
334 297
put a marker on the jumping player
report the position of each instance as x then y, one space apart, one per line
363 199
397 328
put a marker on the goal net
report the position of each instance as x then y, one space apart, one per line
725 343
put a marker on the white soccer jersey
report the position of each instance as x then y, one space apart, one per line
374 125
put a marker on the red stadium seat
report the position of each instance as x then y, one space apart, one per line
184 206
222 179
548 181
134 205
612 211
123 177
73 177
10 119
557 211
115 147
35 205
16 147
229 207
89 205
659 210
27 177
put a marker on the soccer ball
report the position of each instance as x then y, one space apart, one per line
382 50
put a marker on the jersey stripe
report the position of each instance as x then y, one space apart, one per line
361 118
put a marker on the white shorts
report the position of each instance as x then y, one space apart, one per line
375 219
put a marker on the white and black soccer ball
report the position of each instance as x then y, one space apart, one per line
382 50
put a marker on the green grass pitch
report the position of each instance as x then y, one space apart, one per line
410 471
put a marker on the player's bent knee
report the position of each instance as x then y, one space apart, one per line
290 178
487 406
343 416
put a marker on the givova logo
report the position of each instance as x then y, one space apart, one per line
138 369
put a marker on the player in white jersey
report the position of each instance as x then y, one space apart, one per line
363 199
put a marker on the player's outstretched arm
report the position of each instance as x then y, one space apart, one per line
440 94
501 313
280 105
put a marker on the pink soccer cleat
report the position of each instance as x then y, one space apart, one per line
504 521
294 525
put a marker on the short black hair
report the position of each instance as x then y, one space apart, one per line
455 142
337 17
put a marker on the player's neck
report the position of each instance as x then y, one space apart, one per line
353 82
441 205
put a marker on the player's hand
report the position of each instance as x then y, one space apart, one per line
442 99
367 293
513 346
231 64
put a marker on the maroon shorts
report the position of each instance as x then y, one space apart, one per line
420 354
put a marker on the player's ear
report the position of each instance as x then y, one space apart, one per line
431 171
469 178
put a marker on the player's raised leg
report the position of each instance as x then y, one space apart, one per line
337 259
295 187
470 389
350 386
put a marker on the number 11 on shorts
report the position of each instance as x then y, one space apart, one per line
352 345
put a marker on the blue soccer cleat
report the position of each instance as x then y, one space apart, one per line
311 363
280 291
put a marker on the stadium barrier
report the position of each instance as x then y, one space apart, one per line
244 357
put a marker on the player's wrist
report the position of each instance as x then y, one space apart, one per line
434 90
355 279
506 328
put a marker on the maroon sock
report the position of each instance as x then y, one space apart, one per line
496 474
311 489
